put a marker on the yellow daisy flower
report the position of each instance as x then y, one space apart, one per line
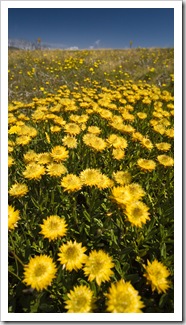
137 136
165 160
146 143
80 300
118 153
142 115
88 138
90 176
70 141
146 164
98 144
117 141
159 128
156 275
104 182
94 130
122 177
98 266
39 272
56 170
170 133
123 298
71 183
127 128
72 128
137 213
14 129
54 227
135 190
34 171
121 196
23 140
59 153
30 156
43 158
10 161
55 129
163 146
18 190
13 217
72 255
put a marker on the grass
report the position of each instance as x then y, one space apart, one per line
109 89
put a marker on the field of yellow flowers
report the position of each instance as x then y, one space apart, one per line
91 181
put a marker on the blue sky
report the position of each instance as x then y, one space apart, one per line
94 28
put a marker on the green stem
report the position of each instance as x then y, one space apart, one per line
15 275
18 259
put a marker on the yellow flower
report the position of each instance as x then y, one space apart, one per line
59 153
159 128
55 128
137 213
88 138
71 183
104 182
117 141
127 128
147 165
72 255
53 227
90 176
47 137
98 144
14 129
135 190
80 300
121 196
122 178
10 161
170 133
123 298
39 272
118 154
137 136
43 158
30 156
72 128
156 275
146 143
70 141
23 140
34 171
94 130
141 115
163 146
13 217
18 189
165 160
56 170
98 266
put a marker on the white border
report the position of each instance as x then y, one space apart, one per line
177 315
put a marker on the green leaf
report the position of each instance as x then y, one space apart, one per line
163 300
163 250
86 215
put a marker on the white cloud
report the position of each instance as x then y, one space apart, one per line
97 42
95 45
73 48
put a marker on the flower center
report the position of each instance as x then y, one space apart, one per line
71 252
137 212
40 270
